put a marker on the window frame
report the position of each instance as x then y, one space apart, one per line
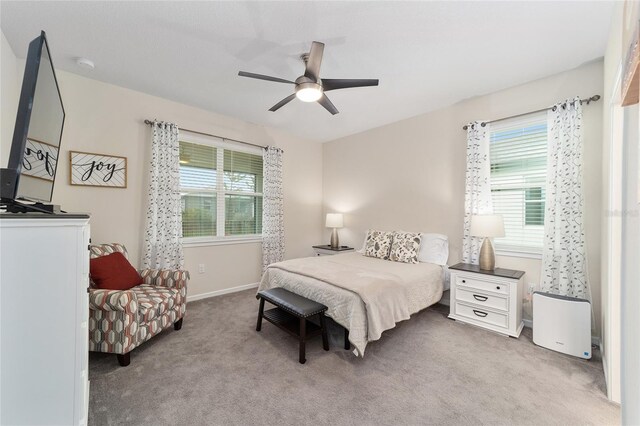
515 250
221 145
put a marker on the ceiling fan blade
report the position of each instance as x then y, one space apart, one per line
263 77
314 61
326 103
282 103
345 83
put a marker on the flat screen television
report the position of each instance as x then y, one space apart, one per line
35 148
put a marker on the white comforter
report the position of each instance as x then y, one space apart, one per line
365 295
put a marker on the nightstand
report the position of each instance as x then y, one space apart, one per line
487 299
326 250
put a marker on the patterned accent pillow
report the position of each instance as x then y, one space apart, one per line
406 246
378 244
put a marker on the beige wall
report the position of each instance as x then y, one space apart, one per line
9 95
108 119
410 174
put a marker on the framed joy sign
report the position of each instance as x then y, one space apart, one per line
89 169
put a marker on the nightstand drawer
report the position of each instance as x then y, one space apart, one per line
482 315
482 299
475 283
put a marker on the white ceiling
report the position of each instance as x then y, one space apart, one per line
426 54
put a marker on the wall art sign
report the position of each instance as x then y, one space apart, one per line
90 169
40 159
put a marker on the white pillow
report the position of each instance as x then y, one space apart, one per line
364 244
434 248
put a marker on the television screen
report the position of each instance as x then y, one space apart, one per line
40 118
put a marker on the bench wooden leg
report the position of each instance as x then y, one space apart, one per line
260 313
325 338
303 336
347 344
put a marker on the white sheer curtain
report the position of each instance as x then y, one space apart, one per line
273 208
477 197
564 256
163 232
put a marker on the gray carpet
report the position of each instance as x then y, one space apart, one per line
428 370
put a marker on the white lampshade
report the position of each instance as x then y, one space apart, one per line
334 220
487 225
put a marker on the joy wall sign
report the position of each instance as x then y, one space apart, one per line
89 169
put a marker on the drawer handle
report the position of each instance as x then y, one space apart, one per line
480 298
463 281
497 287
480 313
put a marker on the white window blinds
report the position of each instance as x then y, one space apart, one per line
198 184
243 193
518 177
214 204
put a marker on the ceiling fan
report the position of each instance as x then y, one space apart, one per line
310 87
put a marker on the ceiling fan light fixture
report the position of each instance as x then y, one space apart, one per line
308 92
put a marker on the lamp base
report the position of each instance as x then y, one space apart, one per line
487 256
335 242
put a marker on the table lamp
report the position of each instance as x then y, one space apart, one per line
487 226
335 221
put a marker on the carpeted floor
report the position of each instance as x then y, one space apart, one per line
428 370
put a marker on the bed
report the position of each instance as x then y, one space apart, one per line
363 294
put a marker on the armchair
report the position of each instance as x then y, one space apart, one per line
121 320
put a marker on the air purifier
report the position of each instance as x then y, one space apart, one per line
562 324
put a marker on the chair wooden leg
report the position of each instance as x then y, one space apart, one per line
260 313
178 324
347 344
124 359
325 338
303 337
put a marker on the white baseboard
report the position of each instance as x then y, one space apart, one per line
595 340
215 293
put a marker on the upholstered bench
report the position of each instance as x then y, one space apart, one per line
291 314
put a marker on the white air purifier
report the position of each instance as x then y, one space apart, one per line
562 324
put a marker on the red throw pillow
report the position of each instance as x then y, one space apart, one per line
114 272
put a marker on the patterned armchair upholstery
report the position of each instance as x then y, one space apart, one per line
121 320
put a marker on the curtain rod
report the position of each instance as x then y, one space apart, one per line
593 98
149 122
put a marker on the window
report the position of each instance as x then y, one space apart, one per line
218 206
518 179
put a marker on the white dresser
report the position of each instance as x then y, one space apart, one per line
44 309
487 299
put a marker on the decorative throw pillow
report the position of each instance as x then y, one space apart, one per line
378 244
406 246
434 248
114 272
